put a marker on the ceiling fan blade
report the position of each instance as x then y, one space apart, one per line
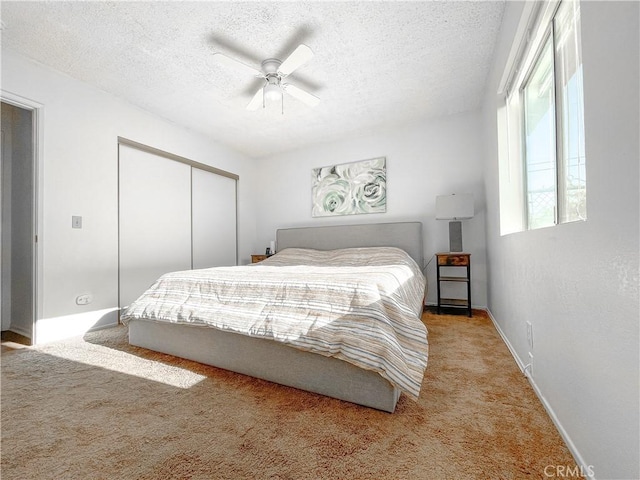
301 55
301 95
232 62
257 100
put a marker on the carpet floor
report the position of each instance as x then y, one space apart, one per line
98 408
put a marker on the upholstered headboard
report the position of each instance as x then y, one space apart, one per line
404 235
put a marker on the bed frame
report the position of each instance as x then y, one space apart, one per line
280 363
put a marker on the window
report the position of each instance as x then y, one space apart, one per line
572 190
540 141
541 123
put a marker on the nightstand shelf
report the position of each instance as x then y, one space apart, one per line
453 279
450 261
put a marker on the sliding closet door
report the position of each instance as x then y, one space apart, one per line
155 219
213 219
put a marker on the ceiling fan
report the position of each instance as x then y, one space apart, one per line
274 71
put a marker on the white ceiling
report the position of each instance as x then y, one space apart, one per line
377 64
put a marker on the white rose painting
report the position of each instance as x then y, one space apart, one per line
350 188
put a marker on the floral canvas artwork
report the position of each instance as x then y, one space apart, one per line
350 188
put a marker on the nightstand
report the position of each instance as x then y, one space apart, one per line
448 263
258 258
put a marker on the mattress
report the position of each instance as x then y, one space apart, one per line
360 305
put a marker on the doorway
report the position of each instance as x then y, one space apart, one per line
17 225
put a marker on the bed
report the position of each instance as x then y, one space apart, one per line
299 355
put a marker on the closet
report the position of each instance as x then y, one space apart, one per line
174 214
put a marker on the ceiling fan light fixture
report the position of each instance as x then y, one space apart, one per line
273 71
272 93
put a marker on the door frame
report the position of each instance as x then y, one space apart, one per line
37 111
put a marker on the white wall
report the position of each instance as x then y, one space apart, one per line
5 233
423 160
81 126
17 204
578 283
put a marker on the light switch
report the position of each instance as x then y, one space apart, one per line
76 222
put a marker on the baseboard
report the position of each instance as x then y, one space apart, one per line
586 470
15 337
59 328
20 331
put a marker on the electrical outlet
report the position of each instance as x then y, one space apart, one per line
85 299
531 364
530 335
76 221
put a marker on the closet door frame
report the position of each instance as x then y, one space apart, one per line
193 164
37 220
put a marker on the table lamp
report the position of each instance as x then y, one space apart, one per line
454 207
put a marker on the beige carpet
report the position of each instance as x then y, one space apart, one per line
97 408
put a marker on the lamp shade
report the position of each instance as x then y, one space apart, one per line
453 207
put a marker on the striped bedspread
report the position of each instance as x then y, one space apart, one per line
361 305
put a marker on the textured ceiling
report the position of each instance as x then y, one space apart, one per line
376 64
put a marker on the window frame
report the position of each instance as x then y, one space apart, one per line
547 37
536 27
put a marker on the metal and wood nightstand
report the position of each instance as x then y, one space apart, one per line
259 258
450 261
